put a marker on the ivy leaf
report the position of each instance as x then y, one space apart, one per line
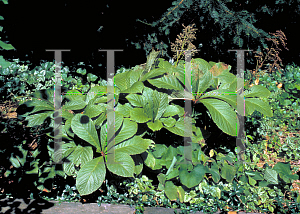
251 181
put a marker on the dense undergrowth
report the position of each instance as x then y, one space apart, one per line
267 140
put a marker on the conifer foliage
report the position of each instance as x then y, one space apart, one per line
224 24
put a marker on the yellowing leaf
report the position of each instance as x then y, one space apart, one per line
279 85
218 68
211 153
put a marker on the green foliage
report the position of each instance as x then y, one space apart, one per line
284 101
18 81
231 20
3 45
89 161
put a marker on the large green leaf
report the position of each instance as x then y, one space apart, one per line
39 105
201 77
84 128
149 159
179 128
118 120
137 87
252 104
135 145
128 82
284 171
200 67
193 178
6 46
91 176
74 105
74 95
3 63
94 110
68 165
174 192
164 64
129 128
136 100
103 136
167 82
82 155
257 91
124 165
168 122
223 94
124 109
155 103
158 150
153 73
156 126
169 154
214 171
122 81
228 172
37 119
222 114
171 190
170 111
139 115
151 58
226 78
94 92
160 103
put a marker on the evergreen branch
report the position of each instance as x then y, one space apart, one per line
143 22
171 11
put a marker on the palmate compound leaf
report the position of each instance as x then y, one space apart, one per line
222 114
91 176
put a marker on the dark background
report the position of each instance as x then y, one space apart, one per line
34 26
